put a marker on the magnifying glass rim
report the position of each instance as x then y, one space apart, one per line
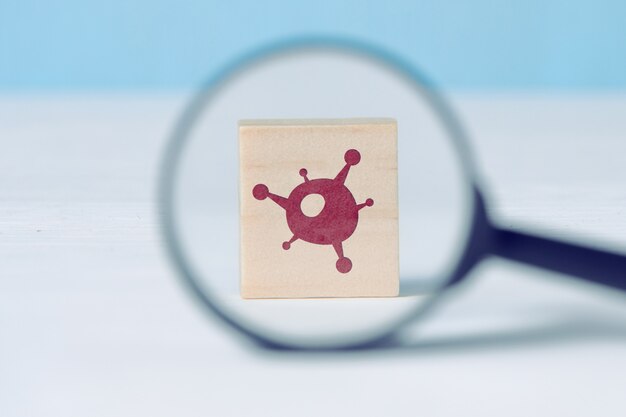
191 113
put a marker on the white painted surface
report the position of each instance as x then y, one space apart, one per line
93 321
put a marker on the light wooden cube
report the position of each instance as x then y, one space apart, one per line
292 169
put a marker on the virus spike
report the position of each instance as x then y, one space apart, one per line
352 157
338 248
303 173
261 192
369 203
343 265
287 245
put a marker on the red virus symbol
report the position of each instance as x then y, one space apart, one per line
337 220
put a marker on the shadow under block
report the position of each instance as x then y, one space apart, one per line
319 208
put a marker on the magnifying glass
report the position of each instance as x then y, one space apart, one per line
443 222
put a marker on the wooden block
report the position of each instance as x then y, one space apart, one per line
292 169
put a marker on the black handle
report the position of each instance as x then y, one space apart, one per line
590 264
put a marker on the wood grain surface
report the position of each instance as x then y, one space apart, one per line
272 153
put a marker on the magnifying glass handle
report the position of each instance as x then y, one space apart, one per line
590 264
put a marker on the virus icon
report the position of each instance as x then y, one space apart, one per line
335 223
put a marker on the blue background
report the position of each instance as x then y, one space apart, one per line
163 45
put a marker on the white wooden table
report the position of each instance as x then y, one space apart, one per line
94 323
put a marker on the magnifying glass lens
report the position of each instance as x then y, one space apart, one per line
309 83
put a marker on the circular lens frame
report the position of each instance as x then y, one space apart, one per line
193 111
